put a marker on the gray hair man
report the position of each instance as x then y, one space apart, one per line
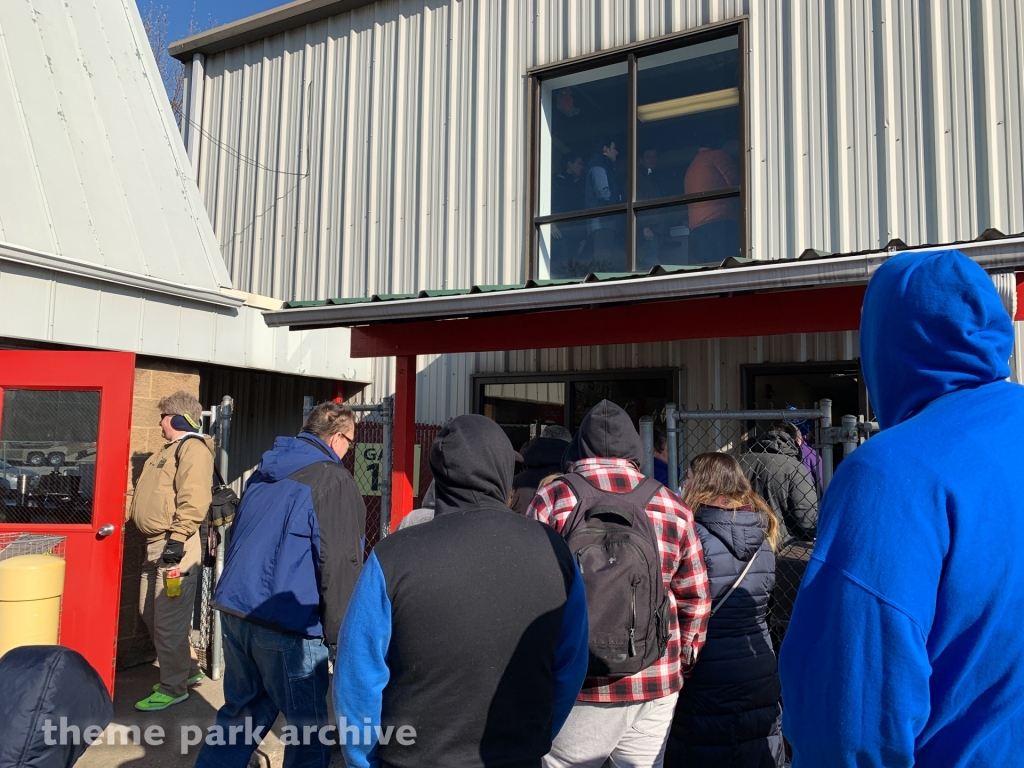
171 499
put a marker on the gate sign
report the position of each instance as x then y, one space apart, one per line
369 465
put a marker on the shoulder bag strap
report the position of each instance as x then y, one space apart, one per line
177 454
734 584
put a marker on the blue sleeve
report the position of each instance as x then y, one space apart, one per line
361 669
854 665
855 676
571 656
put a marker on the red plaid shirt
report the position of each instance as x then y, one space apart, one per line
682 568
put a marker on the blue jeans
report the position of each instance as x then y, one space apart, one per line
267 672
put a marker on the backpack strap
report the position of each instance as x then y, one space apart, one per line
583 489
177 456
734 584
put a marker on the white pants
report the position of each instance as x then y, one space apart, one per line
629 735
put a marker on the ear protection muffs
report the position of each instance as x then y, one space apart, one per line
183 424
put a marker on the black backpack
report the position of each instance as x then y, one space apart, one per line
616 549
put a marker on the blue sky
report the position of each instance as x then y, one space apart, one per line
218 11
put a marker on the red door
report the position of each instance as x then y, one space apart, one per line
65 424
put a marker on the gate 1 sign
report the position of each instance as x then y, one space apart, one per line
369 466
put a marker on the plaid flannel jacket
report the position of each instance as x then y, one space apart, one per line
682 568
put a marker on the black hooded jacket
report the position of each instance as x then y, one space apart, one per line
778 476
606 432
40 684
542 457
728 715
475 604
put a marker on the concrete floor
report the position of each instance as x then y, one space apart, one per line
200 709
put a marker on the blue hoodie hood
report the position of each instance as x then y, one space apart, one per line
932 324
290 454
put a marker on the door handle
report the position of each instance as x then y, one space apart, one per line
105 530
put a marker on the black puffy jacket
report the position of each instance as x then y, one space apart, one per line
542 457
728 715
778 476
39 685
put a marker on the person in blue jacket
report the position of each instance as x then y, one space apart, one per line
465 642
295 553
906 646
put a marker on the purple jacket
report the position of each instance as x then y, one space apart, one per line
812 460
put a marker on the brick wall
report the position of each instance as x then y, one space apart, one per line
154 380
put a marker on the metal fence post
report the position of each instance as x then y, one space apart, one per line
825 425
647 435
851 438
224 436
387 416
673 447
307 407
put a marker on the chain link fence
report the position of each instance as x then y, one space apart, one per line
789 455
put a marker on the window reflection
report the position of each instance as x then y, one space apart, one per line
687 100
688 234
581 115
577 248
685 145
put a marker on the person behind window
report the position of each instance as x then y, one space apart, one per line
567 186
728 711
651 224
601 188
715 224
569 240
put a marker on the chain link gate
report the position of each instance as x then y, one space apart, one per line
751 437
206 637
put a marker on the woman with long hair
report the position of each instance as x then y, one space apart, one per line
728 715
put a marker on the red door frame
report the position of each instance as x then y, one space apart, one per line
92 586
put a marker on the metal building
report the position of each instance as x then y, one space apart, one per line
403 150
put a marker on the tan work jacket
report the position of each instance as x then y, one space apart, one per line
171 499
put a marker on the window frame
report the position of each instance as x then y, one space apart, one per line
630 54
673 376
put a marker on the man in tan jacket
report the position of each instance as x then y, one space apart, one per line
171 499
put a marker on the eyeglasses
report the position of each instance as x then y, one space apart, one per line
165 415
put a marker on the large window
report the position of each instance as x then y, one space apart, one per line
638 159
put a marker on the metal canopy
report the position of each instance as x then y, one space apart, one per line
595 291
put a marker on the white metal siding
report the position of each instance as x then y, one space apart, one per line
92 168
383 150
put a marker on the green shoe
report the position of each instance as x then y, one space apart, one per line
194 680
158 701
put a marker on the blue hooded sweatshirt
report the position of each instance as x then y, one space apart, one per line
296 546
906 645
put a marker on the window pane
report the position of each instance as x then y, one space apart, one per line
583 128
688 120
523 409
637 397
698 233
48 456
577 248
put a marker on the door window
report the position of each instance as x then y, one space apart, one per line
48 456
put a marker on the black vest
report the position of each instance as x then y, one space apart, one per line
477 598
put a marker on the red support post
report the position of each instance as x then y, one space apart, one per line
402 471
339 392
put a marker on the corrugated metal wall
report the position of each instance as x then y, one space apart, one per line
383 150
265 405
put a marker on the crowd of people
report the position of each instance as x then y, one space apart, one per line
582 614
581 184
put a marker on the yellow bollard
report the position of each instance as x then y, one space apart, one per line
30 591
